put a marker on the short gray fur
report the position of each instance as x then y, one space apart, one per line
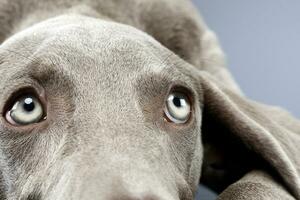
105 68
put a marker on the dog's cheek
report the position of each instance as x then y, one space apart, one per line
26 158
2 184
196 166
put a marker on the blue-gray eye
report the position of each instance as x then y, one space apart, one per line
26 110
178 107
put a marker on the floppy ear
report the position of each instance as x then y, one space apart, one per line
240 135
256 184
178 26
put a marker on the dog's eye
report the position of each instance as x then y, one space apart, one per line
178 107
27 109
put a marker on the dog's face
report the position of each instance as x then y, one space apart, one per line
97 110
92 109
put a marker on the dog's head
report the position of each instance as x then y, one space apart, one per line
99 110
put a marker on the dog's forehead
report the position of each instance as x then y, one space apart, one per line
78 41
95 55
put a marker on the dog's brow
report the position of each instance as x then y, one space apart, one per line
18 54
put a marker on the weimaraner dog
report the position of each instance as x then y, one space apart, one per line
131 100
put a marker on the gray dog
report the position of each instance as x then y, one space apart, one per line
128 100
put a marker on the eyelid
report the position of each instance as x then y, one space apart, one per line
182 89
26 90
9 119
13 87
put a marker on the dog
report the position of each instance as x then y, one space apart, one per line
111 99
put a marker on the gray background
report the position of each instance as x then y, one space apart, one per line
261 40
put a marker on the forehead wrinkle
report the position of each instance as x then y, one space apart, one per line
48 69
43 70
5 58
63 57
163 63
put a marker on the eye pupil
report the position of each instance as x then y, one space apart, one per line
28 105
177 101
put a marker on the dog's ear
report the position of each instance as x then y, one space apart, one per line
240 135
256 184
178 26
